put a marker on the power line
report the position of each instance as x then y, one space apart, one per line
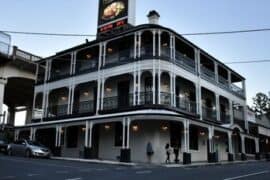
48 34
249 62
92 35
227 32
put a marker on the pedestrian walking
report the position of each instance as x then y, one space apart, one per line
168 153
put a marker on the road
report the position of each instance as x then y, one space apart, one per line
42 169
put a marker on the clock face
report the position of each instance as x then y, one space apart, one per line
113 10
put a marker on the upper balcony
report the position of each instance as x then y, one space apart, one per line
148 44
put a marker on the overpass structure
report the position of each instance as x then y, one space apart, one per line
17 78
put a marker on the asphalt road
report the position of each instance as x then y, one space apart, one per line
39 169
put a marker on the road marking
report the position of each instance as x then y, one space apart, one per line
31 175
74 179
101 169
61 172
247 175
120 168
143 172
8 177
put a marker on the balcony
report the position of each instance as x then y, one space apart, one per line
166 53
165 98
186 105
57 110
207 74
223 82
84 107
209 114
185 62
117 103
225 117
88 66
121 57
238 114
146 98
237 90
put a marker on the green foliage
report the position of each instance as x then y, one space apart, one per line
261 104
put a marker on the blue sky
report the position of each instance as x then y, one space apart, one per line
80 16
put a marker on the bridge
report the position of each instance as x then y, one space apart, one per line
17 79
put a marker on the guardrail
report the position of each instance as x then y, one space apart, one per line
23 55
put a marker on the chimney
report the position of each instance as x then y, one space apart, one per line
153 17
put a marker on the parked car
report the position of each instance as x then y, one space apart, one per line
28 148
3 146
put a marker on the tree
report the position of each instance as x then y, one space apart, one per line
261 104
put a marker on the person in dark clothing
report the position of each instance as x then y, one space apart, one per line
168 153
176 153
149 151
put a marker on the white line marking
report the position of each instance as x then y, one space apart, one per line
31 175
248 175
8 177
74 179
143 172
61 172
120 168
101 169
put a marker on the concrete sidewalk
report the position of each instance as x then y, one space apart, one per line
202 164
95 161
193 165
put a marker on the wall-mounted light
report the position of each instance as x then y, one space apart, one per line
83 129
86 93
181 96
107 127
110 50
135 128
164 128
165 44
202 133
217 136
88 56
108 89
63 98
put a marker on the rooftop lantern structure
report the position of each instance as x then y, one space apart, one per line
153 17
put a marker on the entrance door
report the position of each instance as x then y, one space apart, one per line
123 94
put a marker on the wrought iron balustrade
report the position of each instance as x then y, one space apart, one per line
186 105
57 110
209 113
84 107
185 62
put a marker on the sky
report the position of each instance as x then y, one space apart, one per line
184 16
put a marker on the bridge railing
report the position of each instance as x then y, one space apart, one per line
23 55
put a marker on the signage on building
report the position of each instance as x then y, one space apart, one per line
115 14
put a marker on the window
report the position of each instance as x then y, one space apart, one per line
118 138
193 138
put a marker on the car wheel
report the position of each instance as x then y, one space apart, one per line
9 152
28 153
